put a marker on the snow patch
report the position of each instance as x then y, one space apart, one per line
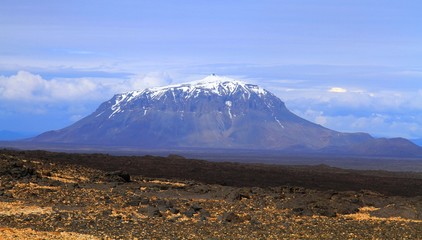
116 108
100 114
211 85
279 123
229 109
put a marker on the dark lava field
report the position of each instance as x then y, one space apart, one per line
46 195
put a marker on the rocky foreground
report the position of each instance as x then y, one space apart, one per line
46 199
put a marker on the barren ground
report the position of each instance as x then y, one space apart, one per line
83 196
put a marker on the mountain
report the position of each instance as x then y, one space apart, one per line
215 112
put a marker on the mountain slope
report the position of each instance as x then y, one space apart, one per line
216 112
417 141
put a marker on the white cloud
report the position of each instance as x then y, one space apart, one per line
25 86
389 113
151 79
321 120
64 99
352 100
337 90
379 125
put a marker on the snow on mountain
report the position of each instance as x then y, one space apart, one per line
215 112
209 86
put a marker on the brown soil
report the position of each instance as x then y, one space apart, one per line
44 197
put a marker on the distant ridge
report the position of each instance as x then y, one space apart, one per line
215 112
12 135
417 141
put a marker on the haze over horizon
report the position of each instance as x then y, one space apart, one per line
351 66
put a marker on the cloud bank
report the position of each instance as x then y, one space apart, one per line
383 113
59 101
32 103
28 87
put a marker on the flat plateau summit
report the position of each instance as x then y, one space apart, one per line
214 113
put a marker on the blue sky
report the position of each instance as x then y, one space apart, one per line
350 65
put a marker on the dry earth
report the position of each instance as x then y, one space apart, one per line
42 198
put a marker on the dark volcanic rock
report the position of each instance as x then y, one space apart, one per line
189 213
152 211
397 210
231 217
40 208
17 169
118 176
196 207
164 205
174 210
238 195
134 202
324 204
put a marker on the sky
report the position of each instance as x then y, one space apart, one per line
349 65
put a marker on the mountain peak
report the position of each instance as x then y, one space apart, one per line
210 85
212 82
214 112
216 79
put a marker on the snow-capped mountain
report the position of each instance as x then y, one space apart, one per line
215 112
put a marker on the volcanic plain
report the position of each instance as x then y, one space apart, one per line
47 195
